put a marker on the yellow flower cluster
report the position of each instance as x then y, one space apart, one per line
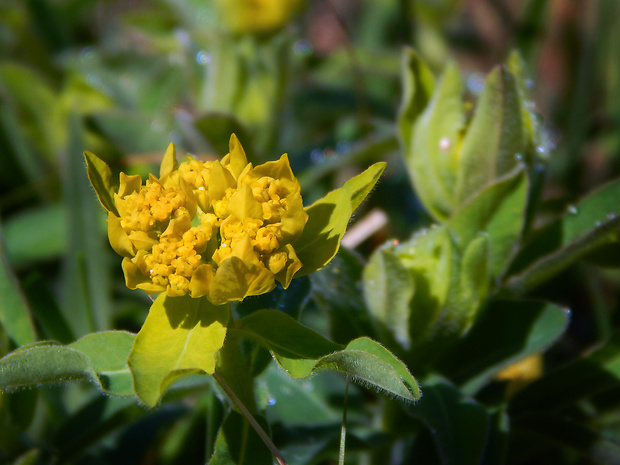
221 229
257 16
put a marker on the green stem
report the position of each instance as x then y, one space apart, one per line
343 430
250 418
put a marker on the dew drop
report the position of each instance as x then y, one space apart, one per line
572 209
303 48
203 58
444 144
317 155
343 146
475 83
518 156
271 401
611 216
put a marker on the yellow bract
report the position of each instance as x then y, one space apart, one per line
221 229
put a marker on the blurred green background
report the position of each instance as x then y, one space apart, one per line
319 80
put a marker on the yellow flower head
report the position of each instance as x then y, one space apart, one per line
220 229
257 16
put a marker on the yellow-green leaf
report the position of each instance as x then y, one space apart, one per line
328 219
418 86
496 140
180 336
431 153
100 177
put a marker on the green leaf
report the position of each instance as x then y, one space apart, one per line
180 336
507 332
301 352
495 140
388 289
418 86
590 226
499 211
15 316
283 335
370 363
48 362
100 177
591 212
431 151
238 444
473 281
107 353
459 425
36 234
328 219
87 302
516 66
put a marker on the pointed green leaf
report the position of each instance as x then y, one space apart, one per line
51 363
418 86
301 352
516 66
15 316
495 141
370 363
328 219
431 151
180 336
499 211
590 226
507 332
100 177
